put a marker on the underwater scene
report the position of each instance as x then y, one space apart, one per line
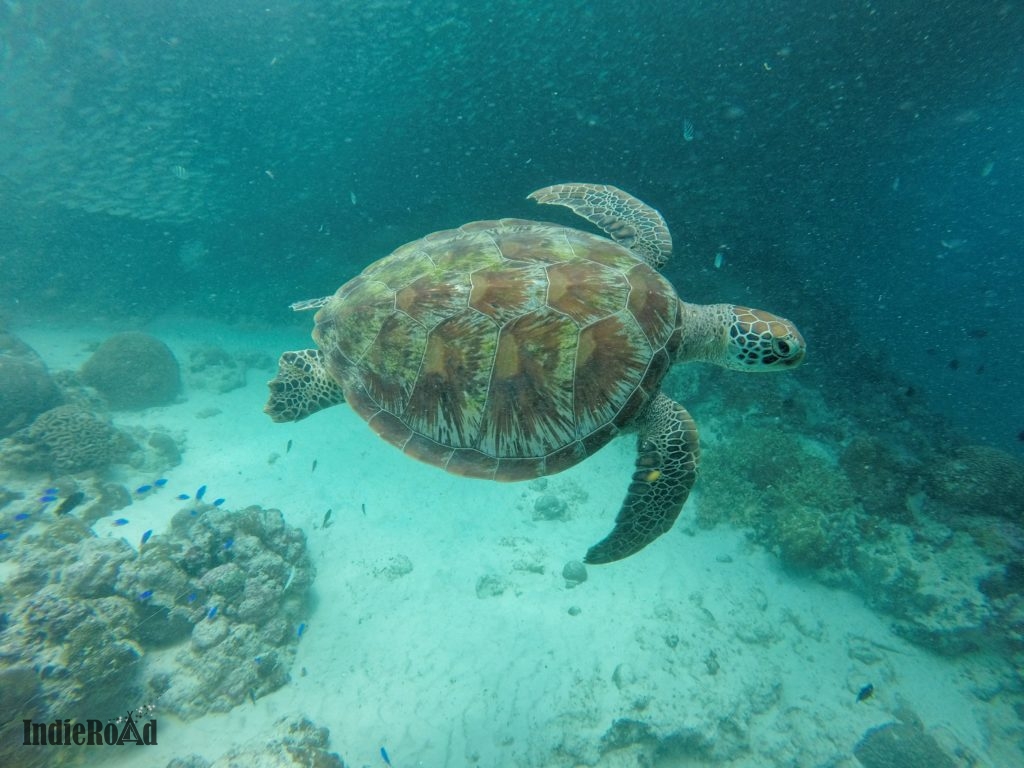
511 383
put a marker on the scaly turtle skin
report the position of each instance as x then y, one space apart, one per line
512 349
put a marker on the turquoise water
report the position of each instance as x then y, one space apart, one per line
188 170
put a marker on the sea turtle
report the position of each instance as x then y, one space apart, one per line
513 349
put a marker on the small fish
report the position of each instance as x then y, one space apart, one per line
212 613
302 628
191 597
288 448
252 695
352 197
687 130
866 692
69 503
180 172
719 260
384 756
314 466
218 502
21 516
145 536
201 492
327 519
258 659
160 483
183 497
144 489
4 535
364 509
143 596
50 491
229 544
954 364
119 522
47 498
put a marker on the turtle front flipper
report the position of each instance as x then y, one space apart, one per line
302 387
625 219
668 452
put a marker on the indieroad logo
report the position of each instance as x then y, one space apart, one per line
121 730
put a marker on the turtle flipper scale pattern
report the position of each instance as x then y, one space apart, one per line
668 452
627 220
302 387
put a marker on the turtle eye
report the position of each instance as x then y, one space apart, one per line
782 347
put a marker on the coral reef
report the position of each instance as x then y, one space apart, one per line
978 480
231 584
302 745
902 744
27 387
67 439
80 616
132 371
215 369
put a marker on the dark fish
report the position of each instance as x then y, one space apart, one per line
218 502
252 695
119 522
21 516
160 483
182 496
384 756
201 492
954 364
145 595
212 613
288 448
327 519
978 333
364 509
145 536
1020 436
865 692
144 489
302 628
70 503
314 466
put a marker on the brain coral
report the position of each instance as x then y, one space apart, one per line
27 387
66 439
133 370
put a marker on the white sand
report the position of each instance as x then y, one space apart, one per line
422 665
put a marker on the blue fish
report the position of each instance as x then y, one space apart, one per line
145 595
182 496
229 544
192 597
21 516
119 522
302 628
258 659
201 492
4 535
145 536
51 491
384 755
160 483
218 502
144 488
47 498
212 613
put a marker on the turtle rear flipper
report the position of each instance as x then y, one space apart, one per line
302 387
668 452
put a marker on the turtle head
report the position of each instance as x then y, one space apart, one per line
760 341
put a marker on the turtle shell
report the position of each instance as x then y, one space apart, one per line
502 349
